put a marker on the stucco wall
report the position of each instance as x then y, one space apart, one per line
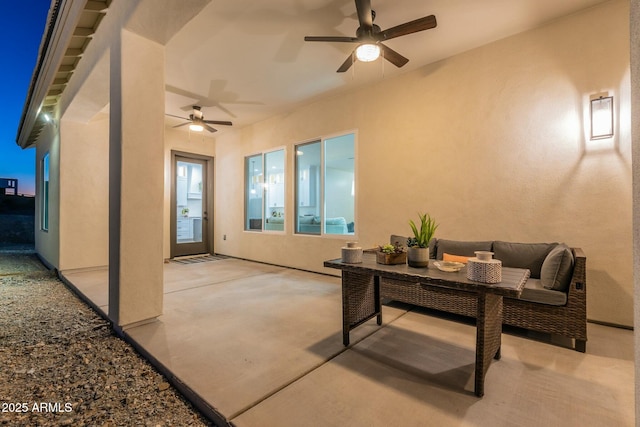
635 107
491 142
84 178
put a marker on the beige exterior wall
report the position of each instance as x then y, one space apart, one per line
493 143
136 179
635 107
84 179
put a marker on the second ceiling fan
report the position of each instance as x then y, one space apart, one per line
369 36
197 122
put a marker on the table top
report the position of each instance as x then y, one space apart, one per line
513 279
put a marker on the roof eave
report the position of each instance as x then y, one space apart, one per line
56 46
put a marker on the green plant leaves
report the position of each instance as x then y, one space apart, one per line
422 237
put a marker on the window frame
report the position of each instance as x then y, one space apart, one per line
45 183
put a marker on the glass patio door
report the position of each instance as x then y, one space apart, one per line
190 207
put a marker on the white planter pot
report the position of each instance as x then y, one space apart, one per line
418 257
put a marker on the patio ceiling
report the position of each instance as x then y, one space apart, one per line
247 61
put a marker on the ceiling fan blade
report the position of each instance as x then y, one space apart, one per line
341 39
421 24
209 128
177 117
364 14
346 64
182 124
392 56
218 122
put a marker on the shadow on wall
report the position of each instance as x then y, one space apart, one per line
607 305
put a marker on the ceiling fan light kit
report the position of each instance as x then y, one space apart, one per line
367 52
370 37
197 123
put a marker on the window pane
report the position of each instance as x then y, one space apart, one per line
253 192
339 184
189 202
274 190
308 158
44 214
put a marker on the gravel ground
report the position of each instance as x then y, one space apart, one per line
60 363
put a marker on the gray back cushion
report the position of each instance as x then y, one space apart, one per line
396 238
557 269
458 247
523 255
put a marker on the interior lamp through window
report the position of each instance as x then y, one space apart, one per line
367 52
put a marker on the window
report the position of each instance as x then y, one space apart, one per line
253 192
325 186
44 210
274 190
265 191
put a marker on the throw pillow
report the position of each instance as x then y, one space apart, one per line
456 258
523 255
557 268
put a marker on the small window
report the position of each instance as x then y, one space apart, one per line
265 191
308 166
339 185
44 210
254 190
274 191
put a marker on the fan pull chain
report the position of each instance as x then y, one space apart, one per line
353 68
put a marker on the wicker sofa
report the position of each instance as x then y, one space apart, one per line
554 298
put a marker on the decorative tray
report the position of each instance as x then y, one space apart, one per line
448 266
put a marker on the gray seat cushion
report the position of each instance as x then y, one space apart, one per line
557 268
458 247
534 292
523 255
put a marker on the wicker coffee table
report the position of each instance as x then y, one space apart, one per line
362 291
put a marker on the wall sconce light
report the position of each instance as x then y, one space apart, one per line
49 119
602 117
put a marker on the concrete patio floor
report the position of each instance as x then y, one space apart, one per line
263 346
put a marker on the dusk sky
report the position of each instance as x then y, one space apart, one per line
21 28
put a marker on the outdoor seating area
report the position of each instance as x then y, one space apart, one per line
419 364
555 303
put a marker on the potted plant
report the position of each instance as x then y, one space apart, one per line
418 252
185 212
391 254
